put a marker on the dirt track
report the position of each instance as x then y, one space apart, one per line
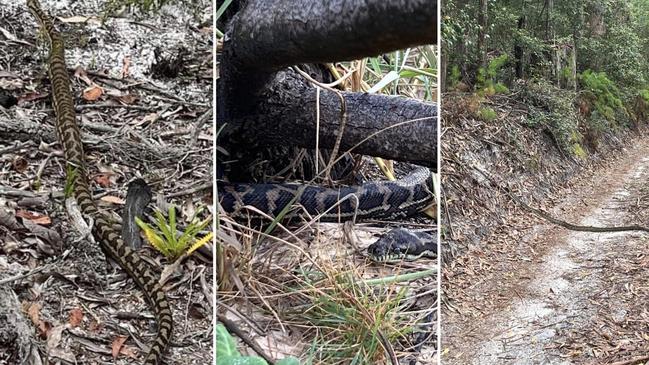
562 297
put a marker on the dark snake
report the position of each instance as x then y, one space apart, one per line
103 229
397 199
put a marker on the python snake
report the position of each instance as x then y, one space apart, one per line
401 244
372 200
111 243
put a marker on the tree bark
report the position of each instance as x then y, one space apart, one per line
261 103
27 130
399 128
519 52
270 35
483 21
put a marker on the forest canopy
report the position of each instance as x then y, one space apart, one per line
579 67
606 36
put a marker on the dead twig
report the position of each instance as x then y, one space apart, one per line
632 361
232 327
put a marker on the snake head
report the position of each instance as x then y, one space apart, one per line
401 244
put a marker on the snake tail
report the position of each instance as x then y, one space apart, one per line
70 138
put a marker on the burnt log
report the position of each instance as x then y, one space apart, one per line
261 102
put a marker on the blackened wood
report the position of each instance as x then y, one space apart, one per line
285 113
274 34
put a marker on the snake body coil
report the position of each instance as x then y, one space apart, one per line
69 137
372 200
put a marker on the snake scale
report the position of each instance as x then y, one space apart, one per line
372 200
111 243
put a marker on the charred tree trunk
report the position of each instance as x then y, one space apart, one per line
262 102
519 52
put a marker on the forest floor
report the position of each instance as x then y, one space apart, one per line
303 292
61 301
553 296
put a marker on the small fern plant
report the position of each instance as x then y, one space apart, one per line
166 238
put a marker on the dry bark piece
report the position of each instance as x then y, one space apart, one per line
76 316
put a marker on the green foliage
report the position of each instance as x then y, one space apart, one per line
611 36
551 108
411 71
349 315
578 151
486 77
219 13
619 55
70 177
455 77
605 95
487 114
168 240
565 74
644 94
612 47
227 353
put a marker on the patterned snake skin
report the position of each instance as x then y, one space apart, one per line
402 244
111 243
372 200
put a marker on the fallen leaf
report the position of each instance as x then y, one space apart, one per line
103 180
80 73
63 355
8 219
91 20
54 336
128 351
76 316
149 118
32 96
93 93
10 246
126 62
118 342
4 73
74 19
39 231
34 313
34 217
196 312
13 84
95 326
127 99
19 164
113 199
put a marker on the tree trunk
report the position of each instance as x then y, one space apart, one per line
262 103
519 52
378 125
483 20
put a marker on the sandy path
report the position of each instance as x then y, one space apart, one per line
565 294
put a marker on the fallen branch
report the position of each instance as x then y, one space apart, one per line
632 361
28 130
379 125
